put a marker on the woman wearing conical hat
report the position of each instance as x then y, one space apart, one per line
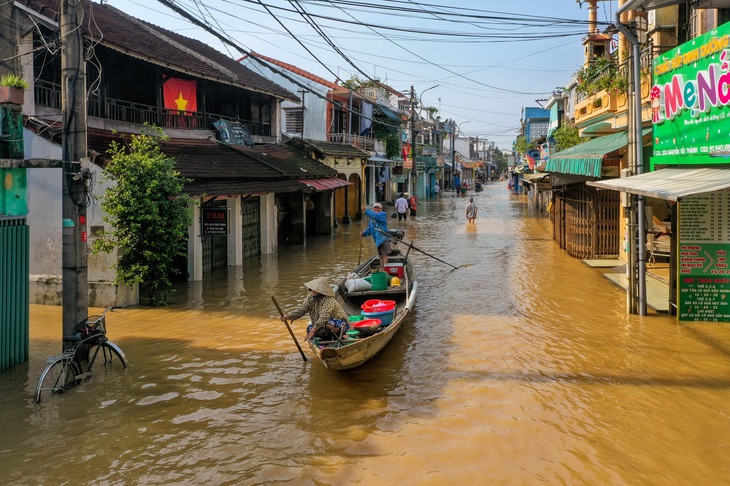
327 316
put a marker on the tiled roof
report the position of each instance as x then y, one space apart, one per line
137 38
313 77
211 159
331 149
293 162
295 70
235 187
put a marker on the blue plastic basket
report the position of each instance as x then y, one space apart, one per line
385 317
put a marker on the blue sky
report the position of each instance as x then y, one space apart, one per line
474 50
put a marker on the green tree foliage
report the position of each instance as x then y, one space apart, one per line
148 213
500 160
602 73
566 135
355 83
522 146
392 145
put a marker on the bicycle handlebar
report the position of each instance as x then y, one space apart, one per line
102 317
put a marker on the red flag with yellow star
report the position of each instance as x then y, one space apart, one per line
180 95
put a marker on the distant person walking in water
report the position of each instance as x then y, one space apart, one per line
471 211
413 204
436 190
401 207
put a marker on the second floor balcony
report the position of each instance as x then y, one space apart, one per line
363 142
48 95
604 104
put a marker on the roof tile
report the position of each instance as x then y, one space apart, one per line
143 40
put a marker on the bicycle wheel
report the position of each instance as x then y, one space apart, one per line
59 376
107 354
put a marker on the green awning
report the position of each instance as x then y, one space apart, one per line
587 158
388 112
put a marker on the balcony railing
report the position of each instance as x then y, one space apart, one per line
365 143
49 94
614 101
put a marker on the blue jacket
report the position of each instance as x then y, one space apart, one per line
377 221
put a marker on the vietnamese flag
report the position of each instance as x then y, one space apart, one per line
530 162
180 95
407 161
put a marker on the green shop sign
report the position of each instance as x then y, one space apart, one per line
689 101
704 257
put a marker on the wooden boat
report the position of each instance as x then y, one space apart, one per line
346 353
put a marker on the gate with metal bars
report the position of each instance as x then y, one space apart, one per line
251 231
586 222
215 248
14 292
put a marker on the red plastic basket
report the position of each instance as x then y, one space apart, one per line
367 327
378 305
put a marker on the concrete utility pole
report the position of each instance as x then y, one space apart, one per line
75 295
636 297
453 155
414 174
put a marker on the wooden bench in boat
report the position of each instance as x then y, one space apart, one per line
371 293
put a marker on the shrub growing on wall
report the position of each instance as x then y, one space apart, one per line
566 135
149 216
522 146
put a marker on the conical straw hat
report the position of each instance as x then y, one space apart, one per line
321 285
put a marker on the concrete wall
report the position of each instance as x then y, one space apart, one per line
315 107
45 192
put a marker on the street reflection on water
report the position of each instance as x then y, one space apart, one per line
519 367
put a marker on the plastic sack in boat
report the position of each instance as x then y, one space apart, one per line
357 285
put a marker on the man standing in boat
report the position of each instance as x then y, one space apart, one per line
378 229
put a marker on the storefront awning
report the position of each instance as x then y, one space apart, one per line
379 161
388 112
586 158
325 183
670 184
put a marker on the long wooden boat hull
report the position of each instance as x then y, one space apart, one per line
353 353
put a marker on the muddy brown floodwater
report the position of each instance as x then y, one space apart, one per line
520 367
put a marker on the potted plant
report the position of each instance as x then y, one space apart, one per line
12 88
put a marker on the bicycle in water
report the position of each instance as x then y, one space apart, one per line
90 344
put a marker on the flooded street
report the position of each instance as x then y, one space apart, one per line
520 367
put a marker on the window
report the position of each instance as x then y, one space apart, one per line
294 120
723 16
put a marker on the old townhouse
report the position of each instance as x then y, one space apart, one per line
223 124
344 127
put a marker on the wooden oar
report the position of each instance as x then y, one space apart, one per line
304 357
417 249
362 213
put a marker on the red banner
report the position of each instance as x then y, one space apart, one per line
407 160
530 162
180 95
